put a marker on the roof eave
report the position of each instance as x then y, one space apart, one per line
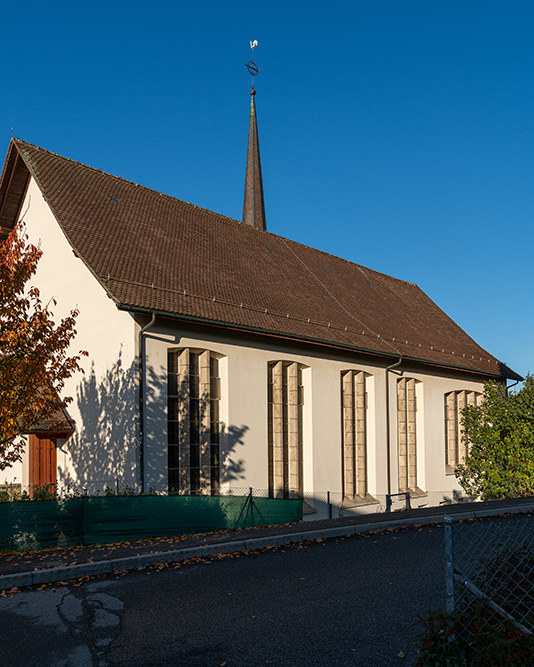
507 372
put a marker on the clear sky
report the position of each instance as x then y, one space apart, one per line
398 134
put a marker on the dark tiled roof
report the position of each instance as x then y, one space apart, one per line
153 252
58 423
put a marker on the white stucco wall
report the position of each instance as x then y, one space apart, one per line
243 371
105 403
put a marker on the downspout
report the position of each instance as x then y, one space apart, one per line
142 401
388 425
512 385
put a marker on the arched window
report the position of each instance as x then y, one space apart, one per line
285 402
193 396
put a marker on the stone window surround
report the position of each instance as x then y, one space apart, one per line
456 447
208 441
285 428
355 455
407 436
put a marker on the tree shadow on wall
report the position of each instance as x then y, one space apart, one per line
104 449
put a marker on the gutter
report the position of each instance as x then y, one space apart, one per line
142 400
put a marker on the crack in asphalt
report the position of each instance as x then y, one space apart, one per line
84 620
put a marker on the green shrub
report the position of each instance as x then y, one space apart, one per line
500 433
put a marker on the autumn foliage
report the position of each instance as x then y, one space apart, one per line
34 363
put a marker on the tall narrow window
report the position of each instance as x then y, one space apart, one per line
285 402
456 446
193 422
354 433
407 434
215 396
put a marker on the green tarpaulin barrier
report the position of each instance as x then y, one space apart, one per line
41 524
50 523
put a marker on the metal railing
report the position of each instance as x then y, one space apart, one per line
490 569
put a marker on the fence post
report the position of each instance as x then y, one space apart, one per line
117 484
449 564
329 504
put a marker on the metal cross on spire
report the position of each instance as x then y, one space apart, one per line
251 65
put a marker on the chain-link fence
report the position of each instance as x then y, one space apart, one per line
490 572
320 505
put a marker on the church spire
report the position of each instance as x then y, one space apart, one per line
253 204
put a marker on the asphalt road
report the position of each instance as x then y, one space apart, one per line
342 602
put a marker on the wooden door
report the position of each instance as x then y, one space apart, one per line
43 461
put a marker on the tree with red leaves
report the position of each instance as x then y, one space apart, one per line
34 363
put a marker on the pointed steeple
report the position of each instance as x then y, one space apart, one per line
253 204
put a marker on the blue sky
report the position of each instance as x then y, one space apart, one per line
396 134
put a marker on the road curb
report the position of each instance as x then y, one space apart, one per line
114 565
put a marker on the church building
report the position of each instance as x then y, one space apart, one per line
223 357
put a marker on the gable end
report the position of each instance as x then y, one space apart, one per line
13 185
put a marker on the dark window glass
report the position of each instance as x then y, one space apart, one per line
173 434
174 481
215 388
194 387
194 363
174 457
172 361
195 481
194 421
195 456
214 433
215 486
172 409
173 385
214 452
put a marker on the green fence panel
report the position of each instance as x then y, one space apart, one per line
41 524
115 519
51 523
268 511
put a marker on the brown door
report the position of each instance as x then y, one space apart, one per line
43 462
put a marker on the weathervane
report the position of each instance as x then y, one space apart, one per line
251 65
